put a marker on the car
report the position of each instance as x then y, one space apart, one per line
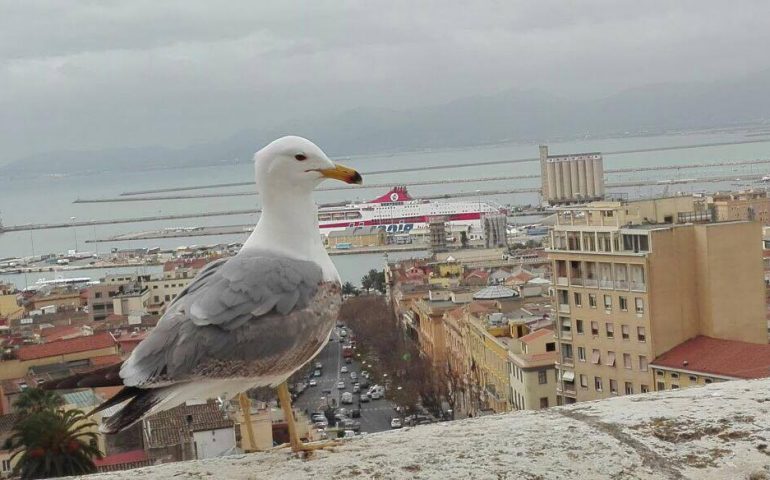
327 391
317 373
312 383
340 385
396 423
353 376
318 417
355 413
344 369
364 374
364 398
349 424
319 365
343 333
347 397
321 425
349 434
356 388
348 360
375 395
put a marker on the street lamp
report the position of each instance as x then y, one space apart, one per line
75 231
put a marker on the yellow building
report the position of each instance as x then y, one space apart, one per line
10 308
627 291
748 205
363 236
533 370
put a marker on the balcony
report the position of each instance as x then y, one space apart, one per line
562 281
565 334
568 361
638 287
564 308
576 282
621 284
591 282
605 284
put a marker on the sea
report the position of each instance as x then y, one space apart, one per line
50 198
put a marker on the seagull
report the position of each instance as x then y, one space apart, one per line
246 321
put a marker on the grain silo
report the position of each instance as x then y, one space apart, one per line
573 178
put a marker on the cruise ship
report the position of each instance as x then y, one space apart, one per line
398 213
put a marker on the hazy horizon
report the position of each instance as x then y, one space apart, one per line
88 76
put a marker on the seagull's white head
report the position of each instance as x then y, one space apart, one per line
293 163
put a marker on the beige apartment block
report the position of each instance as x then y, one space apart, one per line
747 205
627 290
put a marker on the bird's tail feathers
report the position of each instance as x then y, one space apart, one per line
142 403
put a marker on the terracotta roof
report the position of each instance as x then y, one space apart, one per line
105 360
167 427
196 263
728 358
62 347
133 456
478 274
482 306
536 334
105 393
60 332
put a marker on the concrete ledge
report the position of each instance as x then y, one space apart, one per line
718 431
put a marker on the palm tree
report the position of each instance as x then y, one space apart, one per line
35 400
54 443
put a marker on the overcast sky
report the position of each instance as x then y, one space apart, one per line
83 75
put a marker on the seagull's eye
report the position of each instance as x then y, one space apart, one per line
300 157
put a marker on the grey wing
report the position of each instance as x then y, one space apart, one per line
253 315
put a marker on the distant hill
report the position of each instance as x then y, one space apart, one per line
507 116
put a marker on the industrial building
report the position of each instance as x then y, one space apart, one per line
573 178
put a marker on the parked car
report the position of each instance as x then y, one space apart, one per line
355 413
349 434
344 369
341 385
319 365
396 423
347 397
353 376
312 383
317 373
364 374
356 388
348 360
364 398
348 424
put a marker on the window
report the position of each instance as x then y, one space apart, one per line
550 347
167 298
693 378
674 386
659 373
592 300
610 359
595 328
707 381
625 331
661 386
609 328
642 363
623 302
578 299
543 402
566 352
627 360
629 388
674 375
542 377
635 243
582 354
6 465
583 381
639 305
596 356
644 388
608 302
641 334
98 295
579 327
598 384
613 387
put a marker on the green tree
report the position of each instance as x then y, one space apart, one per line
54 443
374 280
463 239
349 289
36 400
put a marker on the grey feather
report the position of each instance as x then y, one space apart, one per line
255 314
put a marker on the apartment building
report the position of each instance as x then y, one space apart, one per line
633 280
746 205
533 370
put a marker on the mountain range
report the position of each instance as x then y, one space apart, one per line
513 115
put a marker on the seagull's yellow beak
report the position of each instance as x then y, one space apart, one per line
341 172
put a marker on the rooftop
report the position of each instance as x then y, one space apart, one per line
714 432
727 358
166 427
62 347
494 292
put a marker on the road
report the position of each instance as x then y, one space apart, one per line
375 415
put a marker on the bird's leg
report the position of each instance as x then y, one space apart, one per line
296 444
285 399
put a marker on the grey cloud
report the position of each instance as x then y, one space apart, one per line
103 74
